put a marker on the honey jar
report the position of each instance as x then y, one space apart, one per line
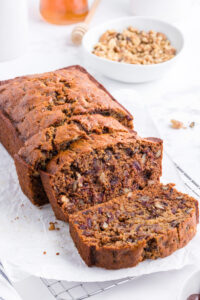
62 12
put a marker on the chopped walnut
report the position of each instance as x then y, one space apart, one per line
130 194
192 124
165 188
175 124
64 199
126 190
78 182
102 178
151 182
159 205
158 153
134 47
143 158
104 225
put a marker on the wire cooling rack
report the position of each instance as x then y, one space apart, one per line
63 290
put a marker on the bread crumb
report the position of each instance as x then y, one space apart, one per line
52 226
192 124
175 124
57 253
44 252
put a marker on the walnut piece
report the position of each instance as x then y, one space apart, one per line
151 182
126 190
175 124
64 199
104 225
158 153
102 178
192 124
143 158
159 205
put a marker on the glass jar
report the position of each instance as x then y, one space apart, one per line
63 12
13 28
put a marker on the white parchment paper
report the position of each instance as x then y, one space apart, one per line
24 234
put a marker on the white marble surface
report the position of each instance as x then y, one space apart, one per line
177 95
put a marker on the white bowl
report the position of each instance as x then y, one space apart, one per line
131 72
190 286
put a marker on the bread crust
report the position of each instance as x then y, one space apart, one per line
46 180
130 117
12 142
9 136
30 182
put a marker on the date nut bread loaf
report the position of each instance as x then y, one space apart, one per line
29 104
141 225
43 146
95 170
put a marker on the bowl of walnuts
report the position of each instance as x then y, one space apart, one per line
133 49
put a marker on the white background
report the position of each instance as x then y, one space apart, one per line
49 48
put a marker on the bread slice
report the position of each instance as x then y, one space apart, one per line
141 225
95 170
42 147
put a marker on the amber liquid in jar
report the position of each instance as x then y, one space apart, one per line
63 12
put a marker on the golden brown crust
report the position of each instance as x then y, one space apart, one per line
8 135
54 139
35 102
99 141
59 213
168 233
30 182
